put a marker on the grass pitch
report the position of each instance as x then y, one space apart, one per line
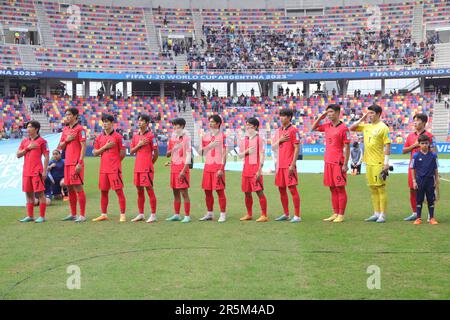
234 260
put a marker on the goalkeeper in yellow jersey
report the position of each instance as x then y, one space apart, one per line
377 149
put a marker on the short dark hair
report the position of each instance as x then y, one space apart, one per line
422 117
355 144
287 113
73 111
107 117
216 118
376 108
423 138
57 151
254 122
35 124
179 121
144 117
334 107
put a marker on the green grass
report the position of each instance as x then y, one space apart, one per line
235 260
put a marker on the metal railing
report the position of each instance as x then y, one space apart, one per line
144 70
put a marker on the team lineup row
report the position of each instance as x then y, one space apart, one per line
422 174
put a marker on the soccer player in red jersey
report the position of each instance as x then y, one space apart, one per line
109 145
412 147
286 145
34 174
179 152
214 148
73 142
145 147
252 149
337 153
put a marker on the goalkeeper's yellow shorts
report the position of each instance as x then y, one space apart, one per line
373 176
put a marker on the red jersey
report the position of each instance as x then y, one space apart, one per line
180 148
110 159
213 162
412 139
252 162
286 149
73 148
335 138
32 165
144 155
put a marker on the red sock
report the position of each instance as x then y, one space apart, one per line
141 200
334 199
263 204
104 201
176 206
42 207
412 200
122 201
30 210
284 200
222 200
73 202
249 204
296 200
342 196
209 199
82 201
152 196
187 208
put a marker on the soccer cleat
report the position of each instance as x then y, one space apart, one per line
175 217
69 218
139 217
40 220
207 217
262 219
123 218
334 216
417 221
282 218
100 218
339 218
372 218
151 219
80 219
186 219
381 219
433 221
27 219
222 218
412 217
295 219
246 218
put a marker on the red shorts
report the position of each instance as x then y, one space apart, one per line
333 176
111 181
284 179
33 184
71 178
250 184
144 179
211 181
410 180
177 183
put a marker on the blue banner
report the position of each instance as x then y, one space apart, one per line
242 77
11 170
319 149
